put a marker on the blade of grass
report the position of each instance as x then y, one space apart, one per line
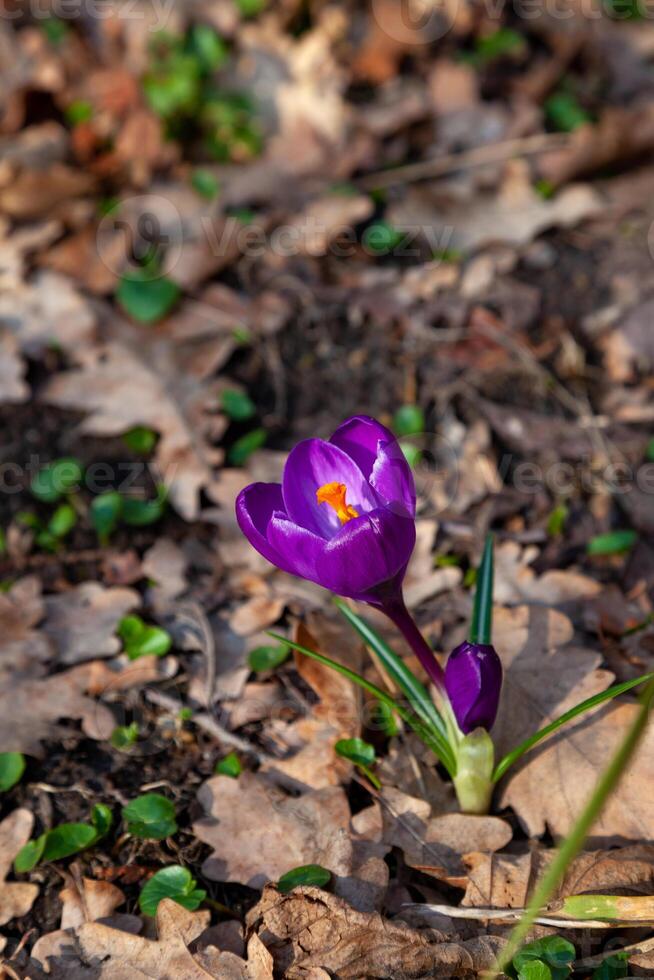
481 626
575 841
415 692
511 757
431 738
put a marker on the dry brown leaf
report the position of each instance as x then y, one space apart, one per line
159 378
258 613
629 348
129 957
258 833
433 844
30 709
82 622
226 965
515 214
544 673
508 880
316 930
47 311
165 565
516 582
85 900
36 193
13 387
569 765
22 648
337 715
16 898
325 219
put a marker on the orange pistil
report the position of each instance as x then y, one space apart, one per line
334 494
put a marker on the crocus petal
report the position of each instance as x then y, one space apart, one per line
302 549
309 466
473 681
368 552
379 456
255 506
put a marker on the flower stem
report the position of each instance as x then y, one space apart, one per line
400 615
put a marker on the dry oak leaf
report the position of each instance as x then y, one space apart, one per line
336 716
258 833
85 900
544 673
16 898
159 378
516 582
551 789
311 929
127 957
30 709
82 622
22 648
226 965
47 311
434 845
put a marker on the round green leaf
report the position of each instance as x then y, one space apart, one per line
243 448
145 299
612 543
140 513
55 479
67 839
238 405
151 817
29 855
12 767
204 182
105 513
536 970
408 420
151 642
102 818
308 874
356 750
62 521
173 882
267 657
231 765
140 440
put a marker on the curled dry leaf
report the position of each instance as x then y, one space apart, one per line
82 622
316 930
16 898
85 900
508 880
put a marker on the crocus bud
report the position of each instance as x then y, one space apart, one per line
473 681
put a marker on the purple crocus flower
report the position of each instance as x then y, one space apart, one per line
473 681
343 515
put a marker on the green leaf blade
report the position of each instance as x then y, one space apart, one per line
309 874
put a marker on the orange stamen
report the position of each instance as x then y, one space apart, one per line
334 494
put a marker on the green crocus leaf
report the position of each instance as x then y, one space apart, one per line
267 657
144 298
12 767
358 751
56 479
151 817
174 882
612 543
231 766
308 874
